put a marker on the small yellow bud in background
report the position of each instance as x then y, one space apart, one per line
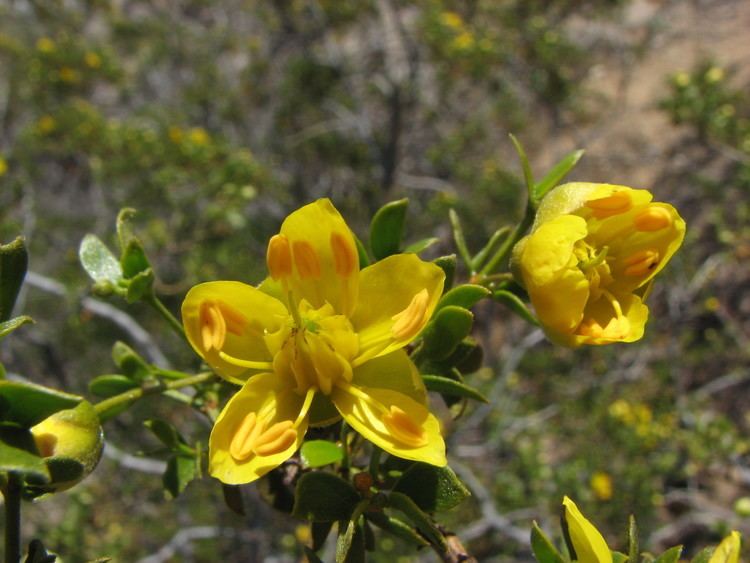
3 166
70 435
45 45
601 485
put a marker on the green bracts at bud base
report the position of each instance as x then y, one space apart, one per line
71 442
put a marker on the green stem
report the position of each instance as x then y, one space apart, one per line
374 468
135 394
502 253
176 325
12 494
344 447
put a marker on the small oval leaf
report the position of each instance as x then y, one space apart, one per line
387 228
446 331
100 264
111 385
432 488
323 497
317 453
28 403
14 261
466 296
447 386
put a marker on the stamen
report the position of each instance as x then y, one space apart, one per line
617 328
410 320
241 446
276 439
244 363
403 427
235 321
346 260
618 202
279 257
653 218
213 326
306 259
641 263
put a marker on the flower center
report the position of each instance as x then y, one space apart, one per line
318 350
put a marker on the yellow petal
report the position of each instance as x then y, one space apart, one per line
600 313
325 262
394 371
548 251
392 421
728 551
245 312
396 299
233 458
588 543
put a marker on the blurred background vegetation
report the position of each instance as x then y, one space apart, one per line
215 119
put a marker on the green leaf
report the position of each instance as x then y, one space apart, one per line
544 550
38 554
233 498
465 296
398 528
633 550
448 265
18 454
421 245
704 555
28 404
433 489
140 286
458 238
672 555
100 264
467 358
515 304
555 175
180 471
527 175
323 497
64 469
6 327
409 508
448 386
169 436
347 549
446 331
131 364
618 557
387 228
133 259
364 258
317 453
111 385
14 261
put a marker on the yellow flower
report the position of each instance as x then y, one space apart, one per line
587 543
601 485
451 19
590 259
3 166
69 75
728 551
45 45
92 59
198 136
318 340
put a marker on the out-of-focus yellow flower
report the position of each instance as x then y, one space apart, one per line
463 41
175 134
728 551
681 79
69 75
45 45
590 259
714 74
451 19
601 484
587 543
3 166
318 340
92 60
46 124
198 136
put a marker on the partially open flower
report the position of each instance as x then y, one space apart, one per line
590 257
317 341
71 442
584 539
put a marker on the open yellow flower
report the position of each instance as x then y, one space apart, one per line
318 340
587 542
590 258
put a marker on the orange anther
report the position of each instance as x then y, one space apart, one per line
410 321
653 218
241 446
618 202
276 439
279 257
404 428
306 259
641 263
213 327
345 258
